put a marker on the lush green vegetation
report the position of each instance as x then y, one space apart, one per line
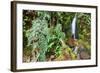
47 36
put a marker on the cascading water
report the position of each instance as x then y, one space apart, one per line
73 28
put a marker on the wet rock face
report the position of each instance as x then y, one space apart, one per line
84 55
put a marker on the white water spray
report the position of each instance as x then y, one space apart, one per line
73 26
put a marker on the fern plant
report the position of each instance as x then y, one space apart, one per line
37 35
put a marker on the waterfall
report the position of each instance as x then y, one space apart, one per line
74 33
73 26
